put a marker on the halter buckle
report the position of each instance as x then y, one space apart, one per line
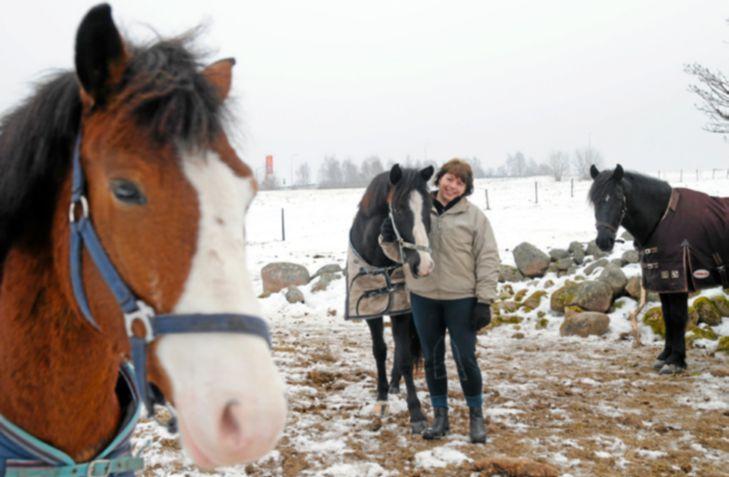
143 313
84 209
90 471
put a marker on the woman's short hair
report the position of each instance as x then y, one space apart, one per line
460 169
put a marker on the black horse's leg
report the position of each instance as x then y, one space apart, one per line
676 322
404 360
666 309
379 350
395 378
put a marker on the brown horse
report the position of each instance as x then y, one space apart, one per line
167 195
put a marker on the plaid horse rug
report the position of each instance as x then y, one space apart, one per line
374 291
689 248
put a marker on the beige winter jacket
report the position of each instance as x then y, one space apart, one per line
465 254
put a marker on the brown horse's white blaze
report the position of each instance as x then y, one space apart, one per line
420 234
227 389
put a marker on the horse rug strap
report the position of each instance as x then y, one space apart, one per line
374 291
689 249
22 455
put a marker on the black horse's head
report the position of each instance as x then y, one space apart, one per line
410 203
607 195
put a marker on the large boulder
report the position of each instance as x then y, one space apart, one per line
578 252
722 304
592 295
279 275
563 296
533 300
329 268
530 261
633 287
564 264
324 280
594 250
595 265
631 256
294 295
507 273
558 253
708 312
614 276
585 324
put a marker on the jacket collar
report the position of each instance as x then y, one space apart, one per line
459 208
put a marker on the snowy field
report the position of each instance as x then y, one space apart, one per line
565 406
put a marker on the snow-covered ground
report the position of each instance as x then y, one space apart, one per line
581 406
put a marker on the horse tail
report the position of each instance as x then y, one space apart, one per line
416 351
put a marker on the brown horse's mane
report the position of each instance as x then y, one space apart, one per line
162 91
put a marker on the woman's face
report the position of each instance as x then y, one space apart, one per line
450 187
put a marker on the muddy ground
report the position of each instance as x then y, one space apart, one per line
562 406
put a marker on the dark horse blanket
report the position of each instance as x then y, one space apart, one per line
689 248
374 291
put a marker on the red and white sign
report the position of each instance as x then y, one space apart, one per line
269 165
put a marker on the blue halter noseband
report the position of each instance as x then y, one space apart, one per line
136 310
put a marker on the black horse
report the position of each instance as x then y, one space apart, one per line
404 194
683 237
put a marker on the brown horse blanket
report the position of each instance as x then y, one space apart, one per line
689 249
374 291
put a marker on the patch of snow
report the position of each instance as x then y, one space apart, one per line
440 457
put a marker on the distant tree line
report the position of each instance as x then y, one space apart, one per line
558 164
343 173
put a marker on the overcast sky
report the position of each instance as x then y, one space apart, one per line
433 79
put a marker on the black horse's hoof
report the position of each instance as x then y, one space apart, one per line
418 427
394 389
658 364
672 369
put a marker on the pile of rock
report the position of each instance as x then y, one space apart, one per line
278 276
584 299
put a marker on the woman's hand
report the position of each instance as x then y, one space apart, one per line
480 316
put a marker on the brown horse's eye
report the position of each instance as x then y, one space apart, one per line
128 192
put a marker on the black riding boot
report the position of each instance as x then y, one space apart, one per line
440 425
477 429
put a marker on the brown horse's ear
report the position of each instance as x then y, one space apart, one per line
100 55
220 75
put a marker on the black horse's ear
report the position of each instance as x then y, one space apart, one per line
395 174
427 173
100 55
618 174
594 172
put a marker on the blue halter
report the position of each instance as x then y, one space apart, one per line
136 310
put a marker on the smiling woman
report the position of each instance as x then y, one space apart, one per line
122 206
456 296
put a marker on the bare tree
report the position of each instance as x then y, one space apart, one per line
303 174
370 167
350 173
516 164
714 93
559 164
478 170
330 173
583 159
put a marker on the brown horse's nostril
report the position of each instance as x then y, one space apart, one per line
230 426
